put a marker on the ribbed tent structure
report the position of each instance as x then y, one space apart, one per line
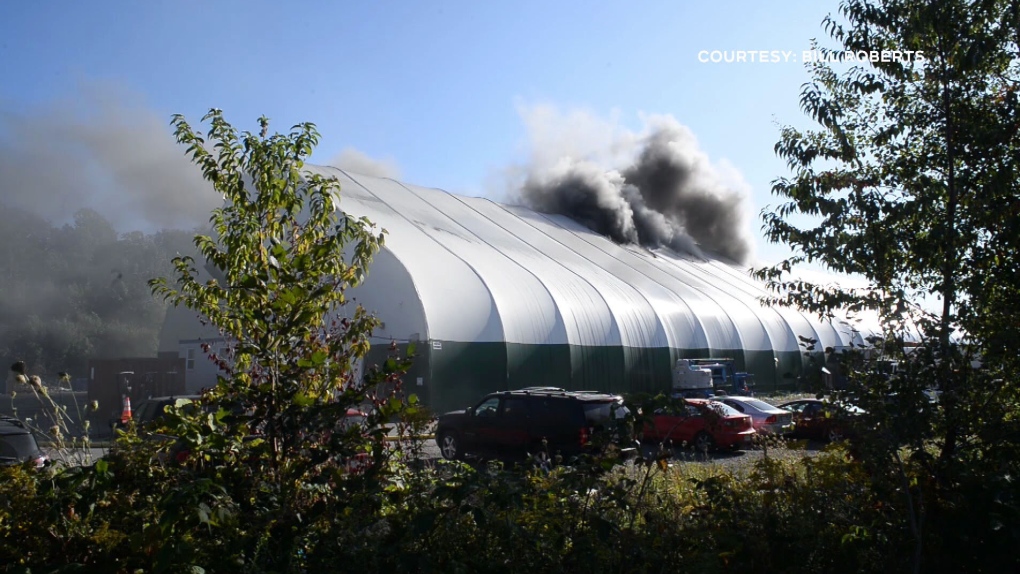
502 297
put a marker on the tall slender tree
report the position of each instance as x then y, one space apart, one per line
910 180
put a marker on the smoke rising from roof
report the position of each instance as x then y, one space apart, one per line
656 188
588 194
350 159
104 151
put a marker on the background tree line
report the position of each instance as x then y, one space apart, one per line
78 291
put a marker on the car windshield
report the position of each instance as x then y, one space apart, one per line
598 413
756 404
724 409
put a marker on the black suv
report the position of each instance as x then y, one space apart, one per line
533 420
18 444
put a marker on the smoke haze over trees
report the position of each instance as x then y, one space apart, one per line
78 291
97 198
95 195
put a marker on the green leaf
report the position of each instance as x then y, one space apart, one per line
248 282
318 358
287 297
301 399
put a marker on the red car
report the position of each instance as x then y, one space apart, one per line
701 423
362 460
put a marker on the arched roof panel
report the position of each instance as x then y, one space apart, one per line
591 316
637 322
527 311
457 304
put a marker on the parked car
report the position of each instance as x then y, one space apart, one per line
820 420
766 418
534 420
355 417
154 409
702 424
151 410
18 444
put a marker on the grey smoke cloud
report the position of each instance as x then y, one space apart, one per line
657 188
355 161
105 151
587 193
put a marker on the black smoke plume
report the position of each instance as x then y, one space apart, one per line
668 194
588 195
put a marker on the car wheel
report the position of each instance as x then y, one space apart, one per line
449 446
703 442
834 435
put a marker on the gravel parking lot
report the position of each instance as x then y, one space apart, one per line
734 461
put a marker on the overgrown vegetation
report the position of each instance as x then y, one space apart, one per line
263 477
63 428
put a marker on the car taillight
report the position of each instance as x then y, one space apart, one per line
183 455
771 420
584 436
739 423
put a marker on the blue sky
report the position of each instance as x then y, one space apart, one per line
440 89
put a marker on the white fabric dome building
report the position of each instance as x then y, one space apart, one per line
502 297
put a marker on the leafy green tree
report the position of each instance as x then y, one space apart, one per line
911 181
281 257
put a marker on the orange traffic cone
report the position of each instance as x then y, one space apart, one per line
125 414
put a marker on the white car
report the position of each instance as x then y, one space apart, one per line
766 418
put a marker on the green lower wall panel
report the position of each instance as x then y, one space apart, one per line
595 368
644 370
537 365
456 375
418 369
461 373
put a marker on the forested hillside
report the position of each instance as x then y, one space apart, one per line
77 291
